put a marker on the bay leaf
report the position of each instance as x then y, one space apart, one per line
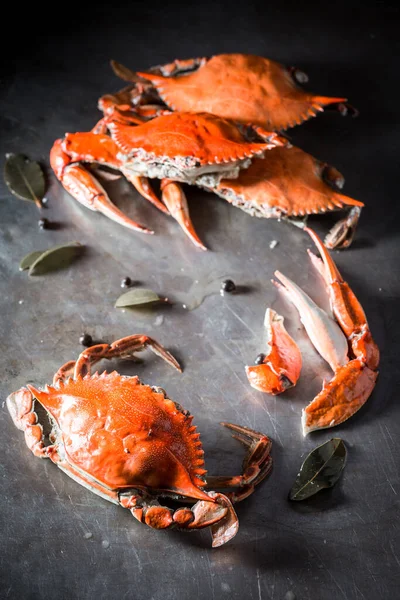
24 178
137 297
321 469
29 259
55 258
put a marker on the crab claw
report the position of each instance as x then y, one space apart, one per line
340 398
280 369
342 233
226 528
354 379
218 514
86 189
144 188
326 335
345 306
175 200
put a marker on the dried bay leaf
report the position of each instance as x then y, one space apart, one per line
321 469
138 297
55 258
24 178
29 259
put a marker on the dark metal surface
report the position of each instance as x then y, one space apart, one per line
58 539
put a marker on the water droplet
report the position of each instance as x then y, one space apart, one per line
88 535
105 544
273 244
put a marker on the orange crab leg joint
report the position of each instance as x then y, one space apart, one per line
176 202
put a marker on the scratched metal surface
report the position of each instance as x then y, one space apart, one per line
58 539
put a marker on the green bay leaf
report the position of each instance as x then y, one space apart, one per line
24 178
137 297
55 258
321 469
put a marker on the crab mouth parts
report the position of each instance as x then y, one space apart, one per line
184 169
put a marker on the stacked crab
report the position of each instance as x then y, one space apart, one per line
212 123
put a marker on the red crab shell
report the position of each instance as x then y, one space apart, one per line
286 182
244 88
205 138
125 434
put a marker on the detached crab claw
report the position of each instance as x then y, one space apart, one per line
346 344
280 368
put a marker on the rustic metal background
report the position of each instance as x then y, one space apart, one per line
58 539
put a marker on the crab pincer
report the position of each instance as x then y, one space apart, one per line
345 343
280 368
175 147
132 445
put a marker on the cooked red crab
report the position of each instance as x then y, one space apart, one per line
191 148
289 183
130 444
345 343
241 87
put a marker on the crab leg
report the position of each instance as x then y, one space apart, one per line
123 348
85 188
144 188
280 369
342 233
120 101
100 148
175 199
179 66
168 70
257 464
21 408
217 513
345 306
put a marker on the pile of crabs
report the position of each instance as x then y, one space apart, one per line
216 123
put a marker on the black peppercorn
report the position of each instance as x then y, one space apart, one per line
86 340
260 359
43 223
228 286
126 282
